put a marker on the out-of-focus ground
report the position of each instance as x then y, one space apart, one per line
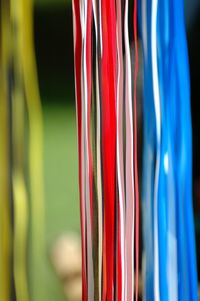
61 187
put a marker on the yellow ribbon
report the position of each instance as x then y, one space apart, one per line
5 233
35 151
18 173
16 42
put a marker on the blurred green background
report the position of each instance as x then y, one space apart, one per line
54 54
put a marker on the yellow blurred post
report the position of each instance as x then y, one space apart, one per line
23 12
5 231
20 198
35 152
17 52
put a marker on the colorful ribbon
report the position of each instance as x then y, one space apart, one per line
107 139
169 251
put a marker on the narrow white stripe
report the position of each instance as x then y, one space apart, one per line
99 190
120 165
98 146
87 185
82 204
95 19
158 133
83 142
130 200
100 22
